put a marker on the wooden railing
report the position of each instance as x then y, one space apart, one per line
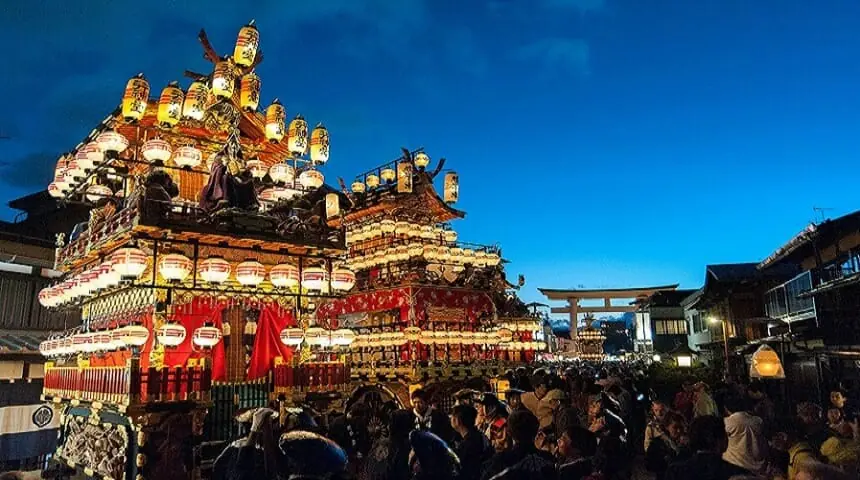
313 376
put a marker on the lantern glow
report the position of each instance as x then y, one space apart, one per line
170 105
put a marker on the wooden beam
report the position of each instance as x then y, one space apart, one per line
581 309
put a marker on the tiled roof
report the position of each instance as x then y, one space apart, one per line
27 342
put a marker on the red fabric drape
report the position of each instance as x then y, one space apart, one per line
191 316
267 341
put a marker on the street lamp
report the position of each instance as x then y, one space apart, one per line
715 320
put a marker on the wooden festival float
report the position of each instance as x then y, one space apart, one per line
209 243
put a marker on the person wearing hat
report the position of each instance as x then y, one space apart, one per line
310 456
492 420
465 396
254 456
431 458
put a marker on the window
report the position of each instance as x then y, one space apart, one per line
670 327
783 301
697 322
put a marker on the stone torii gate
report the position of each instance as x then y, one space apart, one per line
607 294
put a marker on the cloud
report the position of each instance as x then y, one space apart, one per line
568 56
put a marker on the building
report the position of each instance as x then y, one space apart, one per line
665 317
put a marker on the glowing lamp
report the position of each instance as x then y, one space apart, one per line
332 205
129 262
107 276
342 279
93 153
358 187
96 192
427 232
88 282
80 342
766 364
116 339
156 150
421 160
415 250
412 334
372 180
46 297
256 167
206 336
282 173
468 256
249 92
250 273
480 260
315 278
388 175
171 334
319 144
343 337
134 335
431 253
54 190
684 361
194 106
318 336
292 337
102 341
427 338
223 79
452 187
76 170
404 177
401 228
297 136
311 178
505 335
170 105
284 275
112 141
247 42
174 267
134 98
187 157
456 255
275 119
387 226
493 259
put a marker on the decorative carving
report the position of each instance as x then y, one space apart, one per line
93 446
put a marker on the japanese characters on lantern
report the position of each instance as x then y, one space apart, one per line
245 51
135 98
297 136
275 119
170 105
319 144
249 92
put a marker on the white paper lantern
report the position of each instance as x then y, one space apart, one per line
171 334
206 336
342 279
343 337
256 167
250 273
315 278
156 150
129 262
292 336
282 173
319 144
387 226
284 275
388 175
311 178
112 141
96 192
372 180
187 157
175 267
421 160
358 187
297 136
135 335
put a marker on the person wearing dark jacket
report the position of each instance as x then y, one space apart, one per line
576 449
708 441
389 457
431 458
667 447
429 419
255 456
522 456
474 448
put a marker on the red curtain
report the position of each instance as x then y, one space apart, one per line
267 341
191 316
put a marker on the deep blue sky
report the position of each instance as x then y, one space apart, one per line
600 142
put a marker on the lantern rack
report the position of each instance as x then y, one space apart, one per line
392 164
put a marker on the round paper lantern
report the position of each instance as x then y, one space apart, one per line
275 119
319 144
456 255
46 297
372 180
81 342
245 51
96 192
343 337
480 260
187 157
388 175
112 141
468 256
54 190
287 192
297 136
129 262
401 227
431 253
358 187
342 279
387 226
444 254
292 336
88 282
766 364
156 150
223 79
315 278
427 232
171 334
282 173
412 334
317 336
493 259
170 105
174 267
250 273
135 335
66 347
75 171
284 275
94 154
311 178
135 98
214 270
116 339
194 106
249 92
107 276
206 336
102 341
415 250
256 167
43 349
421 160
82 159
268 195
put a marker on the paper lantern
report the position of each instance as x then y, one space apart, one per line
388 175
75 171
449 236
292 336
421 160
112 141
427 232
766 364
311 178
288 192
156 150
88 282
250 273
452 187
297 136
342 337
249 92
282 173
342 279
467 256
206 336
431 253
467 338
319 144
493 259
83 161
401 253
372 180
387 226
46 297
102 341
194 106
358 187
187 157
135 98
171 334
223 79
284 275
245 51
427 338
96 192
214 270
275 118
135 335
256 167
315 278
170 105
93 153
66 347
55 191
401 228
174 267
129 262
107 277
480 259
332 205
404 177
412 334
415 250
80 342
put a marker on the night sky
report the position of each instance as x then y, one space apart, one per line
600 142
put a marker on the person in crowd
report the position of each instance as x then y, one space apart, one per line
763 406
656 420
812 425
351 432
835 420
839 399
707 442
513 396
814 470
576 448
254 456
787 438
523 427
621 396
747 446
428 418
310 456
703 402
843 447
684 400
389 457
546 439
492 420
13 475
534 400
473 448
522 380
431 458
554 401
667 447
465 396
